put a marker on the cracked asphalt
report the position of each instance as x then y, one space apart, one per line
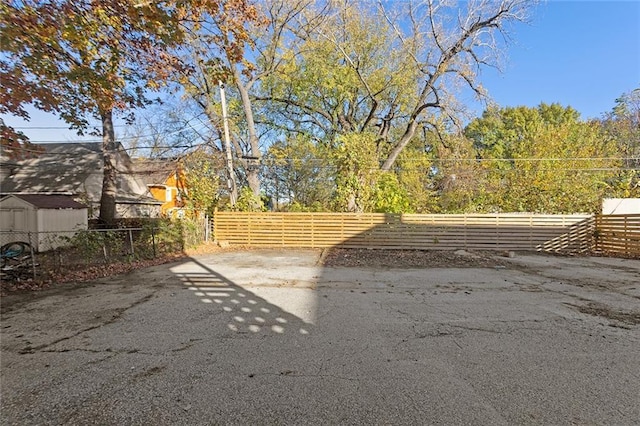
274 337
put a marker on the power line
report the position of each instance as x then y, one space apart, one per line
508 171
531 159
324 161
53 127
38 153
187 127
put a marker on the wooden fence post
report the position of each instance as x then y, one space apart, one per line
596 233
213 224
627 236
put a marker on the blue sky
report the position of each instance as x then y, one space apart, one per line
583 54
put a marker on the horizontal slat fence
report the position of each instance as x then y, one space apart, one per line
556 233
618 234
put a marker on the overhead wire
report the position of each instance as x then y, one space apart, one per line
118 140
187 126
323 163
490 159
503 172
52 127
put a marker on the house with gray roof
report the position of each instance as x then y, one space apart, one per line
76 170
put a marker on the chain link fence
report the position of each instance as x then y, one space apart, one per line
72 251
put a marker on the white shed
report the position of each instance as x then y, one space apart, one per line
621 206
40 219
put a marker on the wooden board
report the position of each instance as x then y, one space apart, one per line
557 233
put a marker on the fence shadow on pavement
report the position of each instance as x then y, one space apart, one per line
244 311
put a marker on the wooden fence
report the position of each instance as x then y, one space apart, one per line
552 233
618 234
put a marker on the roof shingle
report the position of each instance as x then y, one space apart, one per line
51 201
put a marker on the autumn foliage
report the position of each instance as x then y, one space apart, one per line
84 59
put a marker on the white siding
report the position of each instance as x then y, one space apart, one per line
621 205
56 224
41 228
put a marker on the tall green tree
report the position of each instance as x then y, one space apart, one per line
240 57
542 159
461 182
623 125
335 81
299 175
357 172
75 59
392 82
200 174
499 130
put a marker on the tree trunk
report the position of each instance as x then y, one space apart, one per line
253 163
109 189
410 131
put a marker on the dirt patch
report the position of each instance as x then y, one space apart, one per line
604 311
412 258
53 279
54 269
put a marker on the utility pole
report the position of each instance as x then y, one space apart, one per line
231 180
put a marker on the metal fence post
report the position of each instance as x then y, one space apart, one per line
33 257
153 241
131 242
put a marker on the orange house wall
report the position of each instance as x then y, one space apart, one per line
159 192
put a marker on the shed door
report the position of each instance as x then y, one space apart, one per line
13 219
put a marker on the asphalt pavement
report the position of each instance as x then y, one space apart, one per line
270 337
